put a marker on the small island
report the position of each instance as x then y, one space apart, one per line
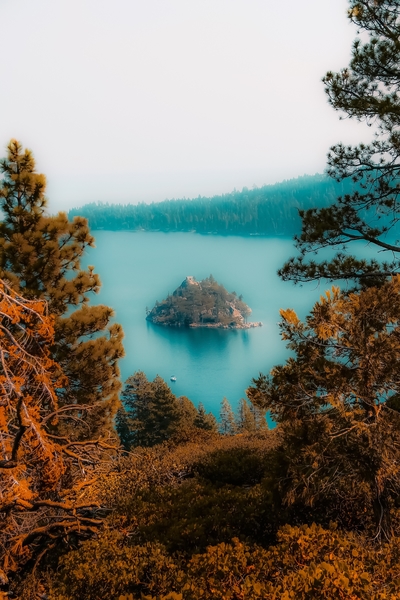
203 303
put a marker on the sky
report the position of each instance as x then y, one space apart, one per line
143 100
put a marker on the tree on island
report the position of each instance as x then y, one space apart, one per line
368 90
203 303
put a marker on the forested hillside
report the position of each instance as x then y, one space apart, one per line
269 210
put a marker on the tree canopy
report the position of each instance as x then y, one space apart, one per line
368 91
307 510
152 414
43 476
268 210
40 255
336 399
203 303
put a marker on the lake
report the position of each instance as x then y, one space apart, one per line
138 268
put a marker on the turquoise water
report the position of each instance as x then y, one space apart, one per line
136 269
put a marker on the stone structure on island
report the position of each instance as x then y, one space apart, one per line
203 303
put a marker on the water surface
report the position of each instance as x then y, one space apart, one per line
138 268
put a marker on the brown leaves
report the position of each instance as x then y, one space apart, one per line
308 562
43 477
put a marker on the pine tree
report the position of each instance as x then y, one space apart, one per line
153 413
187 414
245 421
368 90
227 425
259 417
334 397
249 417
205 420
40 255
123 426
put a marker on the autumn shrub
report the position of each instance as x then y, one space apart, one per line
307 563
238 466
310 562
163 494
196 514
169 464
109 566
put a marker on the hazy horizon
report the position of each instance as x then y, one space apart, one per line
219 187
140 102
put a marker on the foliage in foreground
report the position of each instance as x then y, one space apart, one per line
58 374
335 451
336 398
40 256
368 90
43 477
307 563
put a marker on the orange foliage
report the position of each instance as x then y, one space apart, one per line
41 473
28 379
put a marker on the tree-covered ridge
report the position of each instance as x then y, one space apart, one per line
268 210
203 303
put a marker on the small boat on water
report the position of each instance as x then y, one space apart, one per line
173 378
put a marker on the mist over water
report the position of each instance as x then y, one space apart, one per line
137 269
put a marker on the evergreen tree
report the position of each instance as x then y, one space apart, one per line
227 425
269 210
153 413
368 90
249 417
40 255
259 417
245 421
188 412
205 420
334 397
123 427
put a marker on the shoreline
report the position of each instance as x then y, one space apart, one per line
209 325
220 326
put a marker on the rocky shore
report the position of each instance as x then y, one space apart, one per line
221 326
203 303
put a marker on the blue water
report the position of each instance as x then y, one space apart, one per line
136 269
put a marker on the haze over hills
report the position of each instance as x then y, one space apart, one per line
268 210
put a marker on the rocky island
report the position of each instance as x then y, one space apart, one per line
203 303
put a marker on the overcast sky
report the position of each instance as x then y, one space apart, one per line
142 100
